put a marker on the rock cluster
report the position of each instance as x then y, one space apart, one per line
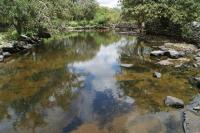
24 43
176 53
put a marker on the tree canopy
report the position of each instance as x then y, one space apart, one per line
179 12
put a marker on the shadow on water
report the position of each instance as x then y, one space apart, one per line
76 81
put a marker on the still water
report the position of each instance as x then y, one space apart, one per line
76 83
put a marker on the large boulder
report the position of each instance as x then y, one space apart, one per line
174 102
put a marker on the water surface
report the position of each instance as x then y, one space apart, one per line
76 84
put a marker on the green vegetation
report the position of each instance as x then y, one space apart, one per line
28 16
167 12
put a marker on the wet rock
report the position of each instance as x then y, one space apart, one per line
195 65
175 54
197 80
157 75
126 65
174 102
6 54
22 46
197 108
158 53
1 58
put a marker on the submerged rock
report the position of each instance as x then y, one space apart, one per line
161 122
174 102
173 62
126 65
157 75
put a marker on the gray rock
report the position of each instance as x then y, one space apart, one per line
174 102
196 108
187 48
1 58
175 54
195 65
198 54
158 53
197 59
191 123
173 62
126 65
6 54
157 75
197 79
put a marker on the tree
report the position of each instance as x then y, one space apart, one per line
17 13
178 12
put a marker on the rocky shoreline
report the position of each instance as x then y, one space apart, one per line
24 43
178 55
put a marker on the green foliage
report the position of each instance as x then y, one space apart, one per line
30 15
178 12
106 16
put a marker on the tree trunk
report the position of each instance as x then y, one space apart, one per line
18 26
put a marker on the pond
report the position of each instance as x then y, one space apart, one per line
78 83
